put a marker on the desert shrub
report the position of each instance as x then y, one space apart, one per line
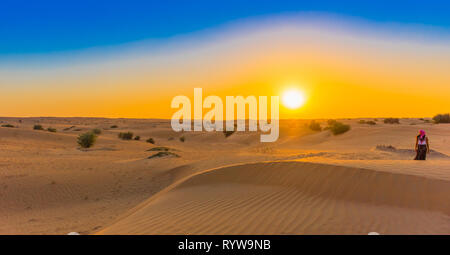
315 126
392 121
78 129
339 128
38 127
375 119
114 126
50 129
228 133
87 140
163 154
137 138
371 122
68 128
150 140
126 136
160 148
362 122
97 131
442 118
182 139
7 125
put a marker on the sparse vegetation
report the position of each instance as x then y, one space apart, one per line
315 126
150 140
38 127
50 129
137 138
182 139
7 125
368 122
331 122
442 118
339 128
113 126
163 154
68 128
386 148
392 121
87 140
160 148
126 135
97 131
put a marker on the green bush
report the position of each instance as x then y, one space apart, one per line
182 139
126 136
97 131
87 140
392 121
315 126
442 118
137 138
50 129
339 128
38 127
150 140
7 125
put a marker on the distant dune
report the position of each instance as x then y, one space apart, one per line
307 182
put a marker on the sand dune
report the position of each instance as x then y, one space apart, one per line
293 198
305 183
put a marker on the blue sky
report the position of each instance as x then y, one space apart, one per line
30 27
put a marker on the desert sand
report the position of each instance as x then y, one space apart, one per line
305 183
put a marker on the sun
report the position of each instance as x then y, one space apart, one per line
293 98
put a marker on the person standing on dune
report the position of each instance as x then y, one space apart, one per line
422 146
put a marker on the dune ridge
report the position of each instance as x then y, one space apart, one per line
289 197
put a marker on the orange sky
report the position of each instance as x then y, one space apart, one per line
344 72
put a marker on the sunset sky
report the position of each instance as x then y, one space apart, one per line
107 59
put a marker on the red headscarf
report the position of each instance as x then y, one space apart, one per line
422 133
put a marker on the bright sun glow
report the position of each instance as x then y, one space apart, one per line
293 98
